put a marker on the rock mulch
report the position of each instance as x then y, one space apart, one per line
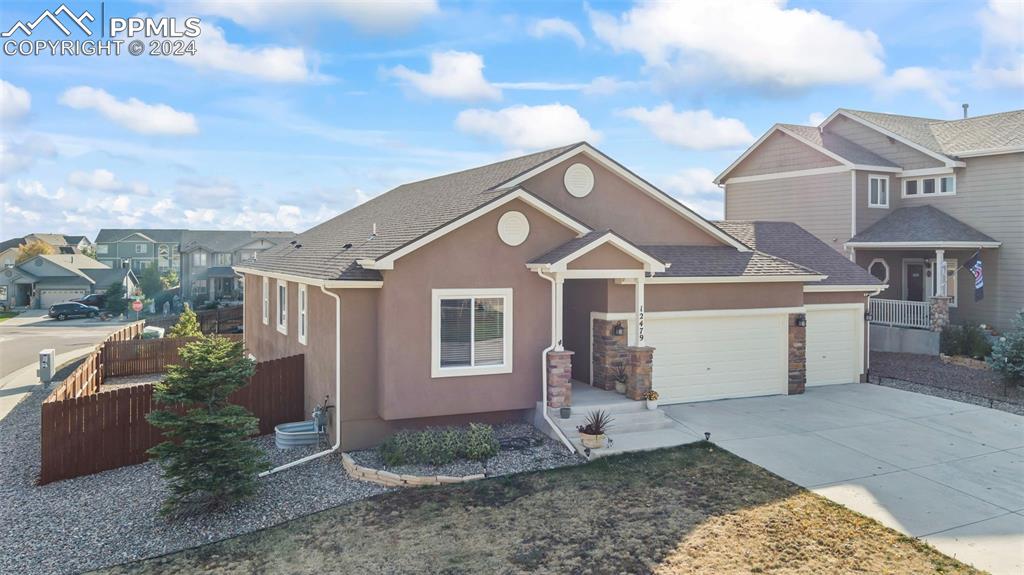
930 375
112 517
131 380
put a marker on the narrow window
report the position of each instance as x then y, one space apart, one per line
282 306
948 185
266 301
878 191
909 187
303 304
928 186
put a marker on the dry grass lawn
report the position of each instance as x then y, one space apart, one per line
693 509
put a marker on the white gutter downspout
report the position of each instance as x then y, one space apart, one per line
544 367
337 391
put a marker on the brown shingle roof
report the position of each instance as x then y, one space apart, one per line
838 145
950 137
920 224
793 243
722 261
401 216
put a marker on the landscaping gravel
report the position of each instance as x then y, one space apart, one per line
929 375
112 517
544 453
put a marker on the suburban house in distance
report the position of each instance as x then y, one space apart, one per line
48 279
61 244
479 295
204 270
915 201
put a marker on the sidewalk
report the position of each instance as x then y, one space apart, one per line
17 385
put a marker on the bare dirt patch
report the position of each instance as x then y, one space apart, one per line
692 509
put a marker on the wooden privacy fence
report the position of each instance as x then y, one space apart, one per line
87 378
141 356
220 320
108 429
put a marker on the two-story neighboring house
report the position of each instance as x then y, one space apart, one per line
140 248
208 257
915 201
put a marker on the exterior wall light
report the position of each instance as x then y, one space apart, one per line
618 329
868 316
801 320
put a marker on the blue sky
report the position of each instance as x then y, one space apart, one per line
293 112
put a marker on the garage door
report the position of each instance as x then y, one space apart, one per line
715 357
835 344
49 297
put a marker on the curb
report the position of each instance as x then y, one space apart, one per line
388 479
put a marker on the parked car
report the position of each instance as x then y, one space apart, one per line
94 299
66 310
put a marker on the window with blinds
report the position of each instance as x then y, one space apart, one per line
472 331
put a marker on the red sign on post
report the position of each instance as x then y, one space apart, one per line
137 306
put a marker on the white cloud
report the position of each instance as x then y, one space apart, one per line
453 75
15 102
816 118
106 181
528 127
35 188
691 129
385 16
19 155
15 213
759 43
557 27
200 216
928 82
162 207
271 63
199 190
692 182
599 86
1002 60
132 113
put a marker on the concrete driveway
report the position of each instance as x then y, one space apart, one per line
947 472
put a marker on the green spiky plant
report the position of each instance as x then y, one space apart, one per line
187 325
207 461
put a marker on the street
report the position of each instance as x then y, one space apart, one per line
22 337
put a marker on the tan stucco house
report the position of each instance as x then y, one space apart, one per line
906 198
478 295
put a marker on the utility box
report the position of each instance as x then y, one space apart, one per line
46 365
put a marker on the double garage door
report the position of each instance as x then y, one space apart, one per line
48 297
700 357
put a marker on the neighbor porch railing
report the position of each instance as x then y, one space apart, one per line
901 313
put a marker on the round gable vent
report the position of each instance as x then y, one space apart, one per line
579 180
513 228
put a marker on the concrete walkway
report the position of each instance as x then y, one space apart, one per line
947 472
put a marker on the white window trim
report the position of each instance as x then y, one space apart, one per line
436 371
881 178
281 318
141 249
920 187
303 304
266 300
884 263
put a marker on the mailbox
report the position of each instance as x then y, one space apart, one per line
46 367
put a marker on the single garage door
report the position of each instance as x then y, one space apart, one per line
49 297
704 357
835 344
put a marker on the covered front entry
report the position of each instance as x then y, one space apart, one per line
714 355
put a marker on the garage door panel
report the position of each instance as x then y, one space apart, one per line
714 357
835 345
48 297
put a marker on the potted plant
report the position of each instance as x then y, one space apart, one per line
651 397
592 432
621 377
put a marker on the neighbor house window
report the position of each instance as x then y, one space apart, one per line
199 287
101 249
930 186
282 306
222 259
878 191
199 258
140 248
880 269
303 323
472 332
266 301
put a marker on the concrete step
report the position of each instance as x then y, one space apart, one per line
639 441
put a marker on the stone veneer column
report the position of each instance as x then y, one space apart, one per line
797 356
609 352
559 378
939 312
638 368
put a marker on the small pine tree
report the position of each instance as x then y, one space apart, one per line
150 281
207 461
116 304
187 326
1008 353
